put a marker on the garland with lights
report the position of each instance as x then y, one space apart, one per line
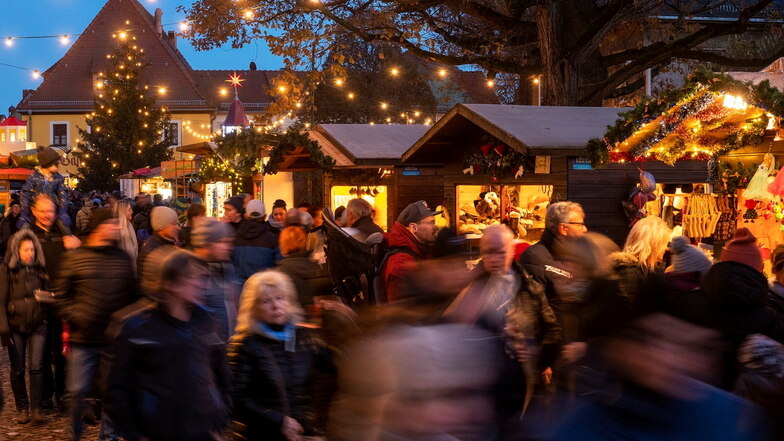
295 137
497 160
697 99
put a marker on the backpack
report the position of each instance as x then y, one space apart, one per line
382 253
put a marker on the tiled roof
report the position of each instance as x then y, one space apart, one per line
68 84
236 116
253 92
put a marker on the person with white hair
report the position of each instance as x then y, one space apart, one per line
273 361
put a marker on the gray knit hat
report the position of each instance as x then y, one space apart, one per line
160 217
686 258
208 230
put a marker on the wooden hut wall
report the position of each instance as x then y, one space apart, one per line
427 186
601 191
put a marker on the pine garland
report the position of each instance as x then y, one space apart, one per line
286 143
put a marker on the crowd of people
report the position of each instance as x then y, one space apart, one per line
165 324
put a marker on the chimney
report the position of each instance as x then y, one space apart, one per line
173 39
158 22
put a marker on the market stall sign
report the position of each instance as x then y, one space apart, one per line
411 171
582 164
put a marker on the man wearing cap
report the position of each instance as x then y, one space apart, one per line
46 180
96 281
256 244
166 228
409 241
213 242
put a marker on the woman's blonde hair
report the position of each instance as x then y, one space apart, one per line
648 240
256 287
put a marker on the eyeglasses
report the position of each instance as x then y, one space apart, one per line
582 224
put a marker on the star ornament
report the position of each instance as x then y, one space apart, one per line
235 80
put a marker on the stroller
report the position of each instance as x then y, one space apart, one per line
351 263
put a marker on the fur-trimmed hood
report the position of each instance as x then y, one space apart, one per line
12 254
622 259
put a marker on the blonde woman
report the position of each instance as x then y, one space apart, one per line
123 211
639 265
273 361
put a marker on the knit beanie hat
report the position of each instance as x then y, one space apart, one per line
777 258
237 202
161 217
256 209
47 156
298 218
686 258
208 230
743 249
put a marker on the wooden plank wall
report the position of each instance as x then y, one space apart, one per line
428 186
601 191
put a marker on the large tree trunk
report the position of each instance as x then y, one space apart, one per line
559 79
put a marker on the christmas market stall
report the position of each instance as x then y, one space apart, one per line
499 163
709 152
146 180
11 181
366 156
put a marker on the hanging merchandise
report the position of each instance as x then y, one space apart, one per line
700 216
640 195
725 229
758 186
777 186
751 210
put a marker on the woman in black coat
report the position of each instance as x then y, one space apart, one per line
274 362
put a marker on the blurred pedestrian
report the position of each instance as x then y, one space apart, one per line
310 279
165 226
359 216
96 281
213 242
123 211
23 321
273 362
195 211
776 297
8 226
169 379
46 180
255 244
83 217
689 266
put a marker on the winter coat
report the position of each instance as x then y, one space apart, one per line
221 297
679 284
53 247
310 279
776 298
83 218
20 312
270 383
643 288
540 262
596 311
151 244
8 227
185 237
93 284
141 220
255 248
732 299
169 380
54 186
397 264
365 226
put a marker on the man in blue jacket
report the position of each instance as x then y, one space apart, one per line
255 244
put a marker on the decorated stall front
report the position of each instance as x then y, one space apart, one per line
725 132
499 164
148 181
365 158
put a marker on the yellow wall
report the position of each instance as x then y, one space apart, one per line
41 130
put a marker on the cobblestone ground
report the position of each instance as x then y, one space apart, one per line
56 427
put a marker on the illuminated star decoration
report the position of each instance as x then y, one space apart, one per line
235 80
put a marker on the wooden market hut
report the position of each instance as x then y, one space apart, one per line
366 156
448 165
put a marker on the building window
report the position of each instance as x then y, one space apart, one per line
22 135
13 135
2 137
173 130
59 133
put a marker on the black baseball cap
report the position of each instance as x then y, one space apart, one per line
415 212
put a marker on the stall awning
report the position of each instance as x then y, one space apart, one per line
142 173
366 144
199 148
15 174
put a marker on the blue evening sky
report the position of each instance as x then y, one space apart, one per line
58 17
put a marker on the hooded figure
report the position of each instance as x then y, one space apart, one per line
255 248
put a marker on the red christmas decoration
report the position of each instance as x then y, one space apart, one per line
500 149
486 149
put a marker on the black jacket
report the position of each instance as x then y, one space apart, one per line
732 299
19 310
539 261
7 229
270 383
93 284
255 248
151 244
366 227
52 245
169 379
310 279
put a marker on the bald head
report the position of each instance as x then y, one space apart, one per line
496 247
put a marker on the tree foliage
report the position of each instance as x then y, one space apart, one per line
127 128
584 50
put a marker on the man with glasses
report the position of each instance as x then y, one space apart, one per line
563 219
410 240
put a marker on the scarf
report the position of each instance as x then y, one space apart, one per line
288 335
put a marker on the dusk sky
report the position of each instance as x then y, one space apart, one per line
59 17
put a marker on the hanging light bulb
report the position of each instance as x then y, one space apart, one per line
9 41
184 26
64 40
36 75
384 106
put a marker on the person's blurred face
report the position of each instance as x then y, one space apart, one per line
232 214
273 307
318 219
220 251
574 225
425 230
191 287
129 213
53 168
170 231
16 209
497 256
27 252
44 212
106 233
278 214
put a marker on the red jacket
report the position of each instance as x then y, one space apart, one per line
397 264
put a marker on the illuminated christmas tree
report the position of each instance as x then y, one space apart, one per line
127 129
